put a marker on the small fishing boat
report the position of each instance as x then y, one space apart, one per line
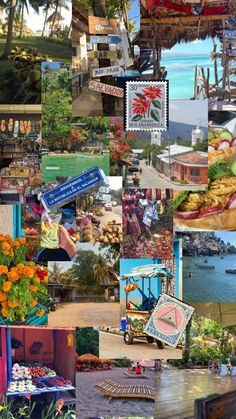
230 271
222 257
205 261
204 266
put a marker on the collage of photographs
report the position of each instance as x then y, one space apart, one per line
118 209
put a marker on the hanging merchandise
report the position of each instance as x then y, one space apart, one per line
70 339
123 48
25 125
133 226
3 125
10 124
29 127
196 10
16 129
22 128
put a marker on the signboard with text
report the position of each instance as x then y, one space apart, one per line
105 39
105 88
102 26
102 55
108 71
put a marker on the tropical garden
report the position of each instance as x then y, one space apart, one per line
206 341
95 269
22 50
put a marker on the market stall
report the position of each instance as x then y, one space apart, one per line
20 142
147 223
38 361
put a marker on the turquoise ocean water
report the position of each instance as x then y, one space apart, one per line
181 72
209 285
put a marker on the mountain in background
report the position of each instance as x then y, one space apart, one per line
176 129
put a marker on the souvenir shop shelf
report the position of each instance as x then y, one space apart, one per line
31 352
20 143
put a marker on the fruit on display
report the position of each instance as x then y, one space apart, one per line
27 69
38 371
130 287
21 386
112 233
20 372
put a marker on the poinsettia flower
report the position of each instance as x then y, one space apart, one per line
140 106
152 92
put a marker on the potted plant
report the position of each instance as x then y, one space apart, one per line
233 365
223 366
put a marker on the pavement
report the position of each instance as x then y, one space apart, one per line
150 177
115 214
85 315
113 346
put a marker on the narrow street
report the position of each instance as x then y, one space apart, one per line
113 346
151 178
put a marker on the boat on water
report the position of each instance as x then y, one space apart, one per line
205 261
222 257
230 271
204 266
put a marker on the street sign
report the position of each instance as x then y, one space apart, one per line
104 189
102 55
106 88
108 71
230 34
68 190
105 39
102 26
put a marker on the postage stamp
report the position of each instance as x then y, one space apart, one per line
169 320
146 105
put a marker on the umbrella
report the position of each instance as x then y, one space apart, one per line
148 271
222 313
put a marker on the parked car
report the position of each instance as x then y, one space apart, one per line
133 169
135 161
108 207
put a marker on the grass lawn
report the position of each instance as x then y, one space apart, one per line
54 51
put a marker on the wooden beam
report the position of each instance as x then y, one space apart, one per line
166 20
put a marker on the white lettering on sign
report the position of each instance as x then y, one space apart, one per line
106 88
108 71
102 55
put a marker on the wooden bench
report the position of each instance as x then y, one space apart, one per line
113 389
216 406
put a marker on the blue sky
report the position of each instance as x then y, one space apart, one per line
194 112
197 47
125 268
227 236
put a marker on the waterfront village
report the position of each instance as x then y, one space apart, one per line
205 244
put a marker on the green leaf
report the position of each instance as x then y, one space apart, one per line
137 118
140 95
156 103
155 115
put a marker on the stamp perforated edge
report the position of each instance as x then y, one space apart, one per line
148 82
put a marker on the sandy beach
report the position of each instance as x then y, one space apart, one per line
91 403
85 315
113 346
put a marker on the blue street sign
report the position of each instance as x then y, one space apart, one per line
57 196
103 39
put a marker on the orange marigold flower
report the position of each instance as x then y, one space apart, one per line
33 302
33 288
4 304
16 243
13 304
3 269
37 280
13 275
22 240
6 246
40 312
2 238
3 296
29 271
6 286
5 252
5 312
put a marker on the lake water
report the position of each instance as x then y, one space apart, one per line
209 285
181 73
71 165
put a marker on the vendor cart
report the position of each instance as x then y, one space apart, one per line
38 347
149 278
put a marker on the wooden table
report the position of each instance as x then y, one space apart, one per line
178 389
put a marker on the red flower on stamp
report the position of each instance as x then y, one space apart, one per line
153 92
140 106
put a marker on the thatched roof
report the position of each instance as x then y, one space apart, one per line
170 26
57 16
87 358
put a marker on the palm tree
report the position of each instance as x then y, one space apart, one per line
24 5
12 8
59 4
102 273
55 272
47 6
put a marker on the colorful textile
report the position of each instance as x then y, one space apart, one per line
184 8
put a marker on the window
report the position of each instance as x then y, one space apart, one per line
194 172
